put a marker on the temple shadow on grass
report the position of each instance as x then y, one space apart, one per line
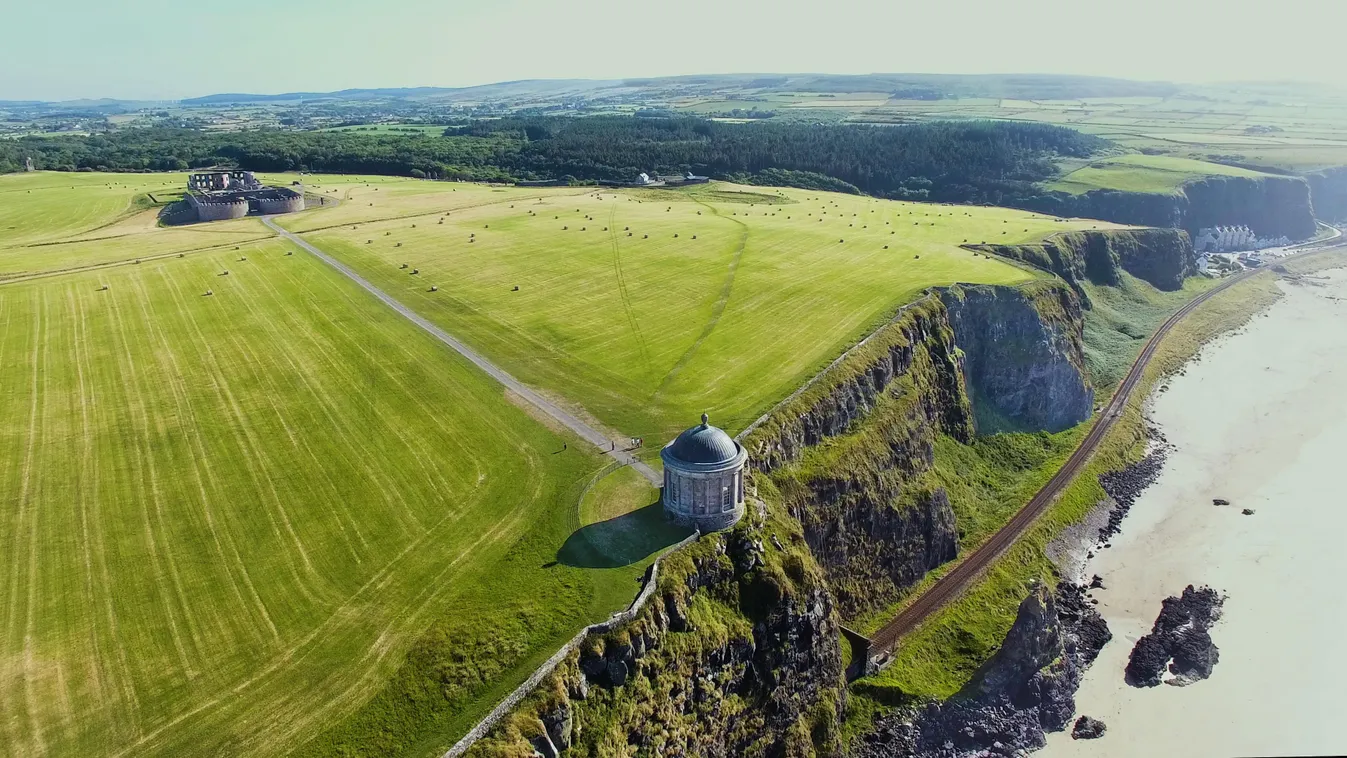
622 540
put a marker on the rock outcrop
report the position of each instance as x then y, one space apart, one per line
737 621
850 454
1024 356
1273 206
1024 691
1328 192
1087 728
740 652
1180 641
1162 257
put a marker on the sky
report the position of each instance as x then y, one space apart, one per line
160 49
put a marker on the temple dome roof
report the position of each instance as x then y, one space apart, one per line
704 444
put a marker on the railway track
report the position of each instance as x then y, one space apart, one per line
951 585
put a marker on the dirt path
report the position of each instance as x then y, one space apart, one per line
580 428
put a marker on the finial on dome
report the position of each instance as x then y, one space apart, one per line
705 419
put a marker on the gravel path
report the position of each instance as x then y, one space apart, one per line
583 430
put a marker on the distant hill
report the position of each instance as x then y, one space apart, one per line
915 86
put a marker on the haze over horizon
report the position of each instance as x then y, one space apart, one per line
158 50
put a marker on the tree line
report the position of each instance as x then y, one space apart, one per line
966 161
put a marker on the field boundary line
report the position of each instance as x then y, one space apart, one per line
125 262
583 430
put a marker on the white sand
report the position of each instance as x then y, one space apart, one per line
1260 421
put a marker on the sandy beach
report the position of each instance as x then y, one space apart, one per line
1260 420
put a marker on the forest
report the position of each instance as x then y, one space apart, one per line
966 161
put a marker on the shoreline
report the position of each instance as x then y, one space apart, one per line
1275 455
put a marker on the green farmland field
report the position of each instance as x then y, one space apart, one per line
647 307
261 520
280 519
1143 173
52 222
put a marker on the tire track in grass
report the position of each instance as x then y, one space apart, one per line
623 295
257 602
269 315
89 485
172 370
348 699
341 614
126 684
26 519
256 463
135 401
357 304
717 309
9 610
345 698
353 439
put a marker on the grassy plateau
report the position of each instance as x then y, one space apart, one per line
1161 174
251 510
269 518
647 307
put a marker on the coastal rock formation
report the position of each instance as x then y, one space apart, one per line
870 522
1180 640
1162 257
740 651
1328 192
1087 728
737 620
1126 485
1023 356
1273 206
1026 690
874 521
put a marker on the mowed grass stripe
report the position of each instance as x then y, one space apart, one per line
230 564
172 609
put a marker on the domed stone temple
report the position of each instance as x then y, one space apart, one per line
704 478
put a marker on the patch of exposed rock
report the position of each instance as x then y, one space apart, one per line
1180 641
1024 691
1023 351
1126 485
1087 728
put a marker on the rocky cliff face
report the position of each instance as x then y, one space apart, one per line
738 654
1024 356
1328 192
1272 206
1026 690
1162 257
850 456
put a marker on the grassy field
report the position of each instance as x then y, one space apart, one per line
53 222
648 307
280 519
244 521
1142 173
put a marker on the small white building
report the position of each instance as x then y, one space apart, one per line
704 478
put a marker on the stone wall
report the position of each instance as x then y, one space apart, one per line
286 201
209 209
511 701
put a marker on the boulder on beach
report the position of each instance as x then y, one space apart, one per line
1220 501
1087 728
